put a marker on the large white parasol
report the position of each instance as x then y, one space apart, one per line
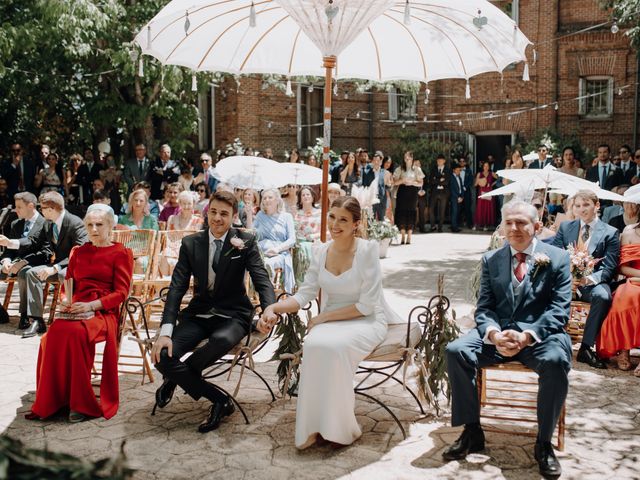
250 172
301 174
422 40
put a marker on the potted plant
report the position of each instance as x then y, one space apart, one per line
383 232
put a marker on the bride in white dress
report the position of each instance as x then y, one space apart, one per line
352 322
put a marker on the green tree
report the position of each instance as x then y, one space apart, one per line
627 14
69 76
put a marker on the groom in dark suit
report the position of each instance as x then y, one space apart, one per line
603 243
523 306
219 311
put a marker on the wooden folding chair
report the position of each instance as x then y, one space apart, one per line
578 314
506 403
142 244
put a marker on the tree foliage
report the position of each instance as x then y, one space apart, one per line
69 76
627 13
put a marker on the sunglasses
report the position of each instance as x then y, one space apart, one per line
15 150
201 190
537 205
623 151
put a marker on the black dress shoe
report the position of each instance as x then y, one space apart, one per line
24 322
433 229
588 356
4 316
456 230
164 394
548 464
471 441
37 327
217 412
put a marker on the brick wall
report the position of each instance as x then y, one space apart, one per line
554 77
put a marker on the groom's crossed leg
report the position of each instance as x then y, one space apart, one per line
222 334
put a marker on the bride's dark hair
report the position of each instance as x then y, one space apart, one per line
351 205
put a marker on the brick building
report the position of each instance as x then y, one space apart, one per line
568 65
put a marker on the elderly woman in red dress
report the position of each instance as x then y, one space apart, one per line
101 273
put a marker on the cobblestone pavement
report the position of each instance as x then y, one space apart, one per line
603 420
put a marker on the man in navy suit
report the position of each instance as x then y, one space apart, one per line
456 188
467 181
603 243
605 172
542 160
523 306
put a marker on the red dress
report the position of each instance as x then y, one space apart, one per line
621 328
63 375
485 207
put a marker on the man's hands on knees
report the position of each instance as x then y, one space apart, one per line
509 342
162 342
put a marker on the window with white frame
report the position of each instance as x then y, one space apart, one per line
402 105
596 97
510 7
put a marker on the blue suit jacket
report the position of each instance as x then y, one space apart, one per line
604 244
454 188
543 305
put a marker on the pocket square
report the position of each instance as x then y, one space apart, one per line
234 258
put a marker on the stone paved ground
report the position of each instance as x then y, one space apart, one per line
603 420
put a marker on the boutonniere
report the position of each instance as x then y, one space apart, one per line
237 243
540 260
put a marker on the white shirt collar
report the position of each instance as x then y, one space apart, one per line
59 220
212 238
529 250
592 224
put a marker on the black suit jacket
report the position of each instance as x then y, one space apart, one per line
11 174
614 177
439 180
604 244
29 244
536 163
631 172
170 174
71 234
229 297
85 177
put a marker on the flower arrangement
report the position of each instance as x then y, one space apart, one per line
380 230
582 264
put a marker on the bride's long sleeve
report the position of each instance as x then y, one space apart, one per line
309 289
371 274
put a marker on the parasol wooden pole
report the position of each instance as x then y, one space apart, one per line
329 64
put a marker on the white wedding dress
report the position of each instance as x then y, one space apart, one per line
332 350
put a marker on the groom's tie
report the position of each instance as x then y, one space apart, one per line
216 254
521 268
585 232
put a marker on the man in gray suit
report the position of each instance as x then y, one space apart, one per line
603 243
60 234
523 306
136 169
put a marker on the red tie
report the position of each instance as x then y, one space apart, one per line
521 268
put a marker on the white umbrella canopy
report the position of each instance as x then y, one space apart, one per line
547 177
632 191
290 37
250 172
572 189
521 189
301 174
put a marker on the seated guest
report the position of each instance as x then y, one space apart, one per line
61 233
219 311
520 315
629 216
101 272
545 234
22 241
102 197
290 198
171 207
185 219
154 208
621 329
202 189
614 209
352 322
250 206
307 223
138 215
602 242
276 236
